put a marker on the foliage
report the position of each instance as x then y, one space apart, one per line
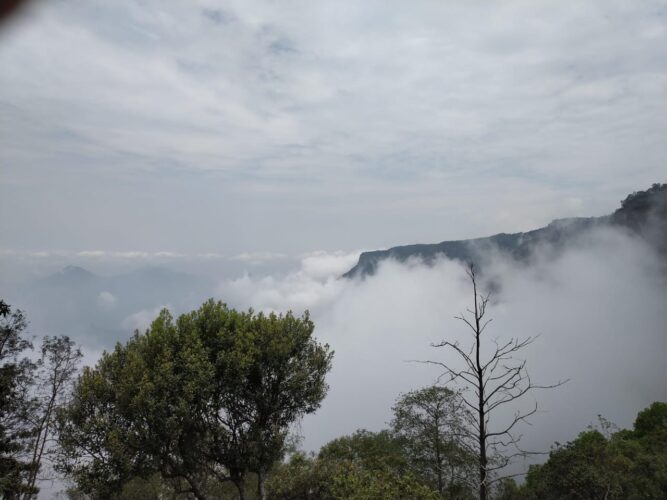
628 464
55 371
15 404
302 478
351 467
358 483
433 426
209 396
374 450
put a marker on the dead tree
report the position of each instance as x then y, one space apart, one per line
496 380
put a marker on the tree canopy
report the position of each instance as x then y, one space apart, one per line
626 464
210 395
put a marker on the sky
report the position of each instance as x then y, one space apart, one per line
248 151
203 128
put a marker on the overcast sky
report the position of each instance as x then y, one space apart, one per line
229 127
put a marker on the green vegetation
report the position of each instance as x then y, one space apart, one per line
31 394
626 464
206 398
14 403
201 406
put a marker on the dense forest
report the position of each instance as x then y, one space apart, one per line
205 405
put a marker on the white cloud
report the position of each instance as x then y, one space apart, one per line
91 253
268 115
325 264
106 300
141 320
598 309
259 257
312 286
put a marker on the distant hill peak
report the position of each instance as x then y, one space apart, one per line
75 271
70 276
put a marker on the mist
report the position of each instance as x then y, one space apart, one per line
598 309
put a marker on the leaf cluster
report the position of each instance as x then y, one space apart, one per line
206 397
629 464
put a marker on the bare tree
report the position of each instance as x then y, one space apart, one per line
497 380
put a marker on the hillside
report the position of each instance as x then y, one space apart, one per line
642 212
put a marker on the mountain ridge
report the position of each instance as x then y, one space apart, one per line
642 212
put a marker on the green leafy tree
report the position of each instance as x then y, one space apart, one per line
302 477
136 413
373 450
433 425
362 466
15 404
629 464
208 397
354 482
55 372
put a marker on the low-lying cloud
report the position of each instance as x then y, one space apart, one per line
598 308
314 286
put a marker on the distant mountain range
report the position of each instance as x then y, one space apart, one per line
643 213
100 308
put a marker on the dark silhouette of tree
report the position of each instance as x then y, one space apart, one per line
497 380
55 372
15 404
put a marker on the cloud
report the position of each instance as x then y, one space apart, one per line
598 309
328 264
259 257
141 320
91 253
312 286
106 300
268 115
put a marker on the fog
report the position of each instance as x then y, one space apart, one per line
598 309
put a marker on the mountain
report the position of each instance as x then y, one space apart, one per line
100 308
69 276
643 213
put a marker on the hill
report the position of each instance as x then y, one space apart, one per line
644 213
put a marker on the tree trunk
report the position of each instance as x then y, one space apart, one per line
480 408
438 457
239 486
261 491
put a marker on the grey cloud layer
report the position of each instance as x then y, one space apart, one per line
124 123
598 309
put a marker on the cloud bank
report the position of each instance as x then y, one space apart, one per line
598 309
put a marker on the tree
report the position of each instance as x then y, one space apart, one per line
375 450
497 378
15 403
364 465
55 371
625 464
208 397
433 426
